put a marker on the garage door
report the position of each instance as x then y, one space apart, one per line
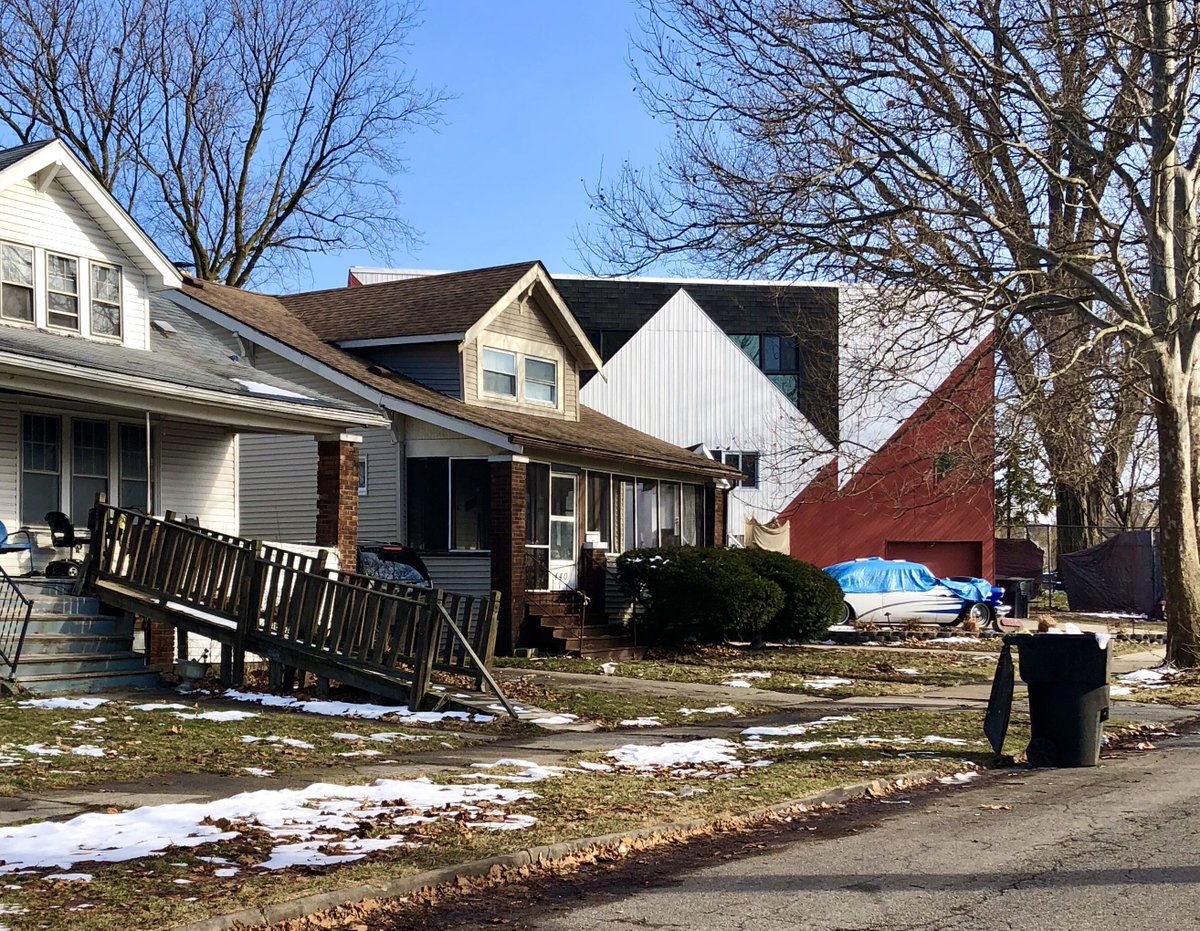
944 558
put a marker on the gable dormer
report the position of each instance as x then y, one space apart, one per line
72 262
527 352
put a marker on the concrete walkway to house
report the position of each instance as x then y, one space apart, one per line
545 747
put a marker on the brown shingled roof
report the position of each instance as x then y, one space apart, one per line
593 435
426 305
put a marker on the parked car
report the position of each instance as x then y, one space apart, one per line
893 591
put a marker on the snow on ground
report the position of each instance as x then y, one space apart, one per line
828 682
737 684
285 741
529 772
554 720
344 709
1160 677
715 709
65 703
231 715
642 722
314 825
797 730
679 758
958 779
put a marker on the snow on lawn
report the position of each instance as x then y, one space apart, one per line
314 826
286 741
716 709
1160 677
642 722
958 779
741 680
684 758
829 682
345 709
65 704
216 715
529 771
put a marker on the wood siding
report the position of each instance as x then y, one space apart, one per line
56 221
435 365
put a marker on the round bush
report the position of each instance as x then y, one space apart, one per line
812 599
702 593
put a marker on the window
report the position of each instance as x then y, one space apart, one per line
669 533
89 465
41 467
691 521
470 504
537 527
16 283
599 506
646 512
133 479
449 504
500 373
62 291
776 355
746 463
106 300
363 474
541 381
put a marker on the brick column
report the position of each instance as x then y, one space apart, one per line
508 547
716 504
337 497
594 570
160 643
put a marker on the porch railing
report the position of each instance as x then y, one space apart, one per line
282 604
15 611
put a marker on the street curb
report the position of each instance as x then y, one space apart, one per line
863 637
274 913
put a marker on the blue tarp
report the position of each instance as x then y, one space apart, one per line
866 576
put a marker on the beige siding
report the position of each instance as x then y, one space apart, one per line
55 220
279 487
524 327
198 474
470 575
423 439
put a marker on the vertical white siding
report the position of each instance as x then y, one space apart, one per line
680 378
9 509
198 473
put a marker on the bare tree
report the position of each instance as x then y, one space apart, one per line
1036 160
244 132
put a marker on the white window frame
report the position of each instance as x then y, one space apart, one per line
554 383
723 456
515 375
50 311
32 286
522 350
93 301
364 475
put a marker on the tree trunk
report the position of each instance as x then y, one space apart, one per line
1070 515
1179 552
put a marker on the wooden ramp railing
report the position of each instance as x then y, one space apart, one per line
251 597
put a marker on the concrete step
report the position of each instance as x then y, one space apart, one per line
59 664
65 604
92 624
554 609
83 682
42 644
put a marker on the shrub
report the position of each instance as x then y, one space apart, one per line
705 593
812 599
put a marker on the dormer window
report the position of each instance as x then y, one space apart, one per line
106 300
16 283
541 381
500 373
62 291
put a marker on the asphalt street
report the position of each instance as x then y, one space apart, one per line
1114 847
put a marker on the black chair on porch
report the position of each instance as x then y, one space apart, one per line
65 535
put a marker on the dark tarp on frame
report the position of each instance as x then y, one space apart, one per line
1121 575
1020 559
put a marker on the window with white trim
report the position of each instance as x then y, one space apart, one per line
500 373
744 462
62 292
363 474
106 300
541 381
16 283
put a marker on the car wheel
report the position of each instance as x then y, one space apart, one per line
980 613
847 614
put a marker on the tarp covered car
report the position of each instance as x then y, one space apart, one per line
891 591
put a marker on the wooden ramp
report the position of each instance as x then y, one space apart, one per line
380 636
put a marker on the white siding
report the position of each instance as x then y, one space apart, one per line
55 220
470 575
279 487
8 481
680 378
198 474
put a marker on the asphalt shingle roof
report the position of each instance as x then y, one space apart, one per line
593 434
421 306
16 153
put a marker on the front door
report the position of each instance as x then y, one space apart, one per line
564 533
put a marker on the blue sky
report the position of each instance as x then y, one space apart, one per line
544 101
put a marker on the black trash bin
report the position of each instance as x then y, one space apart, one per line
1067 676
1016 595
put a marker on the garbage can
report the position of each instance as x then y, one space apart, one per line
1067 676
1016 595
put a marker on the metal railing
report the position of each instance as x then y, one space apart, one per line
15 611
